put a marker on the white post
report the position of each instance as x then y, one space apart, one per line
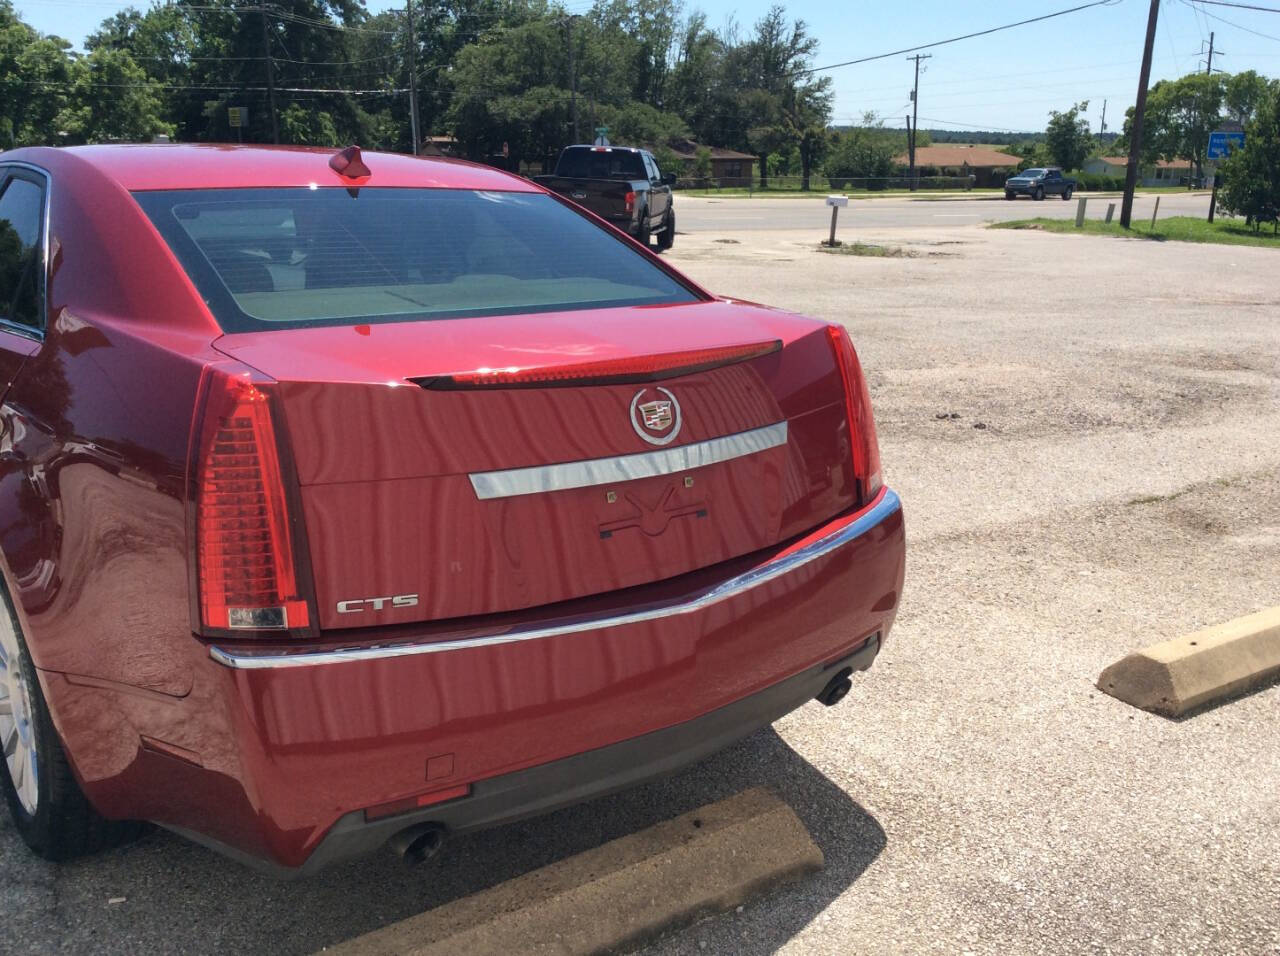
835 202
1111 211
1154 213
1080 212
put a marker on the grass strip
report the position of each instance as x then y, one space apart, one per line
1232 232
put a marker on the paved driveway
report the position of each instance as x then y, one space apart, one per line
730 215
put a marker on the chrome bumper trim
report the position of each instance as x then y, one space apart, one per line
887 505
603 471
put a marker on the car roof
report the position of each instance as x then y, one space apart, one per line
210 166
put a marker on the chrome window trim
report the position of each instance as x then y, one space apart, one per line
888 505
538 479
7 324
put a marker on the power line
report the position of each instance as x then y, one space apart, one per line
205 88
1265 36
967 36
1241 6
978 126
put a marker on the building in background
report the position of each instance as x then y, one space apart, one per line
986 164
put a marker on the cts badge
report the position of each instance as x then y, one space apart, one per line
358 605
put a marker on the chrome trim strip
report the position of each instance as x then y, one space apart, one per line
604 471
888 505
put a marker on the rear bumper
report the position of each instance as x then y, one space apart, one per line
570 780
275 755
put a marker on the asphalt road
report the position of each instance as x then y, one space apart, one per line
731 215
1111 478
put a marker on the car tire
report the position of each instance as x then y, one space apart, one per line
668 237
643 233
1066 193
1038 194
1009 195
47 806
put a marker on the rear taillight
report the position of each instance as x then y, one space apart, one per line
862 427
620 371
631 201
245 541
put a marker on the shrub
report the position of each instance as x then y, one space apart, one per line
1097 182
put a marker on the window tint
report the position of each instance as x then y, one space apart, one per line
585 162
21 253
299 257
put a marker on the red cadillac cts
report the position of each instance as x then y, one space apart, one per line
351 500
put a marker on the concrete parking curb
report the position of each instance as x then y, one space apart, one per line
617 894
1201 668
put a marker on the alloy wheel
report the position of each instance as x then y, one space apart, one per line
17 736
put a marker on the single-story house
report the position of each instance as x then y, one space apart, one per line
729 165
987 165
439 146
1164 172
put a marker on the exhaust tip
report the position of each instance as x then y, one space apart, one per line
417 844
836 689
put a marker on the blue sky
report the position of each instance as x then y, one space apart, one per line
1009 80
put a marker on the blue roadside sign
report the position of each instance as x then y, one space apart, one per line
1222 142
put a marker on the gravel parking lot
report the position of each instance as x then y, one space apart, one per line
1085 433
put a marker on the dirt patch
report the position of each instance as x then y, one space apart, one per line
868 249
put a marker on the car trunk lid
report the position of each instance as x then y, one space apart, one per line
427 501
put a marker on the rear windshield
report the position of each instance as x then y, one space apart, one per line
602 163
291 258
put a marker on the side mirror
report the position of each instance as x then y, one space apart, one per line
668 179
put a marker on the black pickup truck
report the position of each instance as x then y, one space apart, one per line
620 184
1038 183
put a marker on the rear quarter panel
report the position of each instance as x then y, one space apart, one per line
95 431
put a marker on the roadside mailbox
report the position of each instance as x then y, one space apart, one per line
835 202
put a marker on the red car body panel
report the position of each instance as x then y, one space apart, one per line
95 438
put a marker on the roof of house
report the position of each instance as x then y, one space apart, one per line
960 155
1160 164
687 149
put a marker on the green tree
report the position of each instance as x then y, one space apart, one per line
1242 94
702 162
640 123
1251 175
865 152
1067 136
35 83
668 160
115 100
1179 117
779 102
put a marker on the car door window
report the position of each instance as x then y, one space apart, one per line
21 252
652 168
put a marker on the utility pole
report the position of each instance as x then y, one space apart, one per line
1139 108
573 81
271 77
915 118
413 79
1103 127
1213 197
